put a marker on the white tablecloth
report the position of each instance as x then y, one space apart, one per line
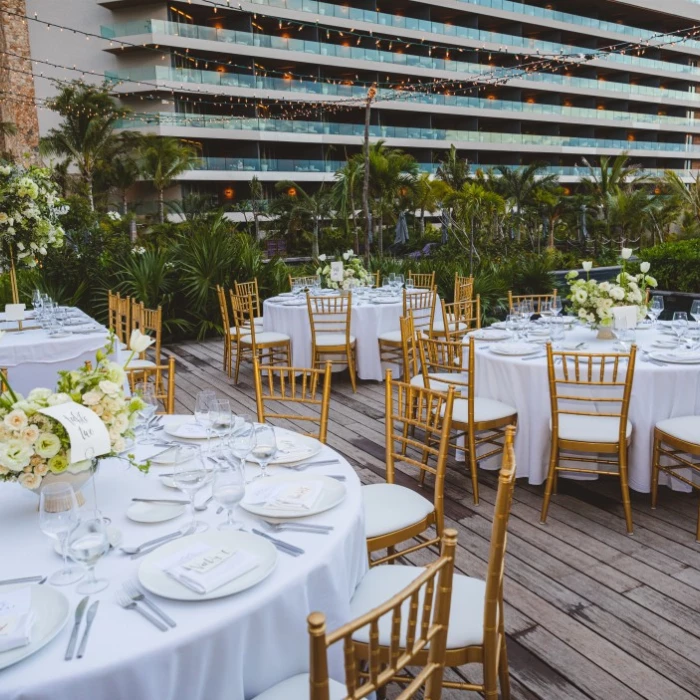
368 321
227 649
33 357
658 392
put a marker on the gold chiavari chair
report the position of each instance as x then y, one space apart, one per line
480 421
149 322
536 299
677 439
329 317
229 331
394 513
297 389
422 280
409 351
4 386
269 347
590 396
119 317
476 633
244 289
418 629
308 281
163 377
377 279
464 288
420 305
458 318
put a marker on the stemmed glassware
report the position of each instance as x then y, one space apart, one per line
190 475
203 410
228 490
398 282
513 325
147 392
242 442
87 544
680 324
265 447
222 417
656 308
58 515
555 306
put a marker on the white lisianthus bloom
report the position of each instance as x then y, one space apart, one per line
108 387
587 265
39 394
651 281
15 455
323 257
30 481
17 420
580 295
57 399
47 445
139 342
604 287
121 423
58 464
92 398
644 267
346 256
572 274
617 293
119 445
626 253
116 373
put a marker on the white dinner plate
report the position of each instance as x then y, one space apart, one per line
333 493
677 359
286 294
168 481
295 448
51 611
515 349
167 458
489 334
154 512
294 302
154 579
187 429
386 300
665 344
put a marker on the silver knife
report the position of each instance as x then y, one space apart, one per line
79 611
172 501
25 579
92 611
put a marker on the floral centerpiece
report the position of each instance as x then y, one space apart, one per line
34 446
354 273
30 209
592 302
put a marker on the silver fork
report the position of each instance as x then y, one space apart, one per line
128 604
296 527
137 595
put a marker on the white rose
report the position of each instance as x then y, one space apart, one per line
119 445
626 253
644 267
17 420
587 265
617 293
30 481
108 387
91 398
139 342
15 455
323 257
30 434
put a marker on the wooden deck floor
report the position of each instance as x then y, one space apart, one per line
590 612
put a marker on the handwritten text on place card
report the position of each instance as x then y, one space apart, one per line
336 271
88 434
204 563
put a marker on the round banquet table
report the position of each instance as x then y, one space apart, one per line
658 392
368 321
33 358
227 649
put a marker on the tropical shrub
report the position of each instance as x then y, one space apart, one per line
676 265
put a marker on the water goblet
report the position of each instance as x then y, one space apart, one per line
58 515
146 390
512 325
242 442
87 544
222 417
265 447
656 307
410 285
190 475
556 332
555 306
680 324
228 490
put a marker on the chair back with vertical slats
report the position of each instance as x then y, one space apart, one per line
459 317
308 281
536 299
119 316
590 384
422 280
223 309
149 322
422 610
250 289
408 347
421 305
242 313
464 288
296 389
443 365
330 315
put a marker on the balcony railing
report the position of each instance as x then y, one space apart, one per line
395 132
382 19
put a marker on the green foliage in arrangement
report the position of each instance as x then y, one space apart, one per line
676 265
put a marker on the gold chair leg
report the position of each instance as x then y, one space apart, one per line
553 458
473 467
697 531
351 368
491 672
624 488
503 674
655 472
238 366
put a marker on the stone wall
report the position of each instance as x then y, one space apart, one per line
17 88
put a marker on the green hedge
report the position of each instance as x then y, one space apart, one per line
676 265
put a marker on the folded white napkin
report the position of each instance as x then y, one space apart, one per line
16 619
203 568
191 430
295 495
624 317
293 450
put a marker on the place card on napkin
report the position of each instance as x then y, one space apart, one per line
203 568
624 317
295 495
16 619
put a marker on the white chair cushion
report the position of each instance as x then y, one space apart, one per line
258 322
136 363
686 428
297 688
437 385
382 582
390 507
439 326
484 410
123 346
590 428
332 339
391 336
265 337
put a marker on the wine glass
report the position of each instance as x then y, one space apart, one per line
656 308
228 490
87 543
680 324
58 515
190 475
398 282
147 391
555 306
695 310
512 325
222 417
202 406
242 442
410 285
265 447
36 299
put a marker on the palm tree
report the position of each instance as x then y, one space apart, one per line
429 194
630 213
257 197
345 191
85 136
688 195
161 160
306 208
453 170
